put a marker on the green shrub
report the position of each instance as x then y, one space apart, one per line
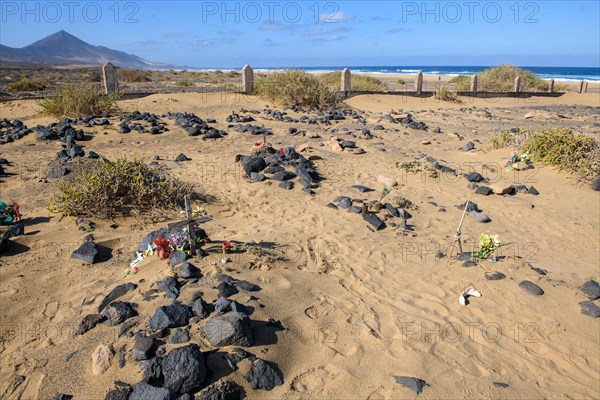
446 94
106 189
566 150
462 83
360 83
501 79
400 82
78 100
295 88
25 85
512 138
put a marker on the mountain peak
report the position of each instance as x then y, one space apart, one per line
63 48
59 38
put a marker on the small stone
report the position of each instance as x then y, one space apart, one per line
184 370
501 385
283 176
374 220
176 258
188 271
121 391
498 188
253 164
144 348
362 189
239 308
247 286
170 286
468 147
531 288
263 376
235 357
463 256
220 391
181 157
471 207
472 186
178 336
596 184
474 177
479 217
494 276
222 305
469 263
231 329
590 309
257 177
539 271
533 191
170 316
413 384
101 359
287 185
145 391
354 209
343 202
591 289
484 190
226 289
199 308
387 181
119 311
87 252
88 322
114 294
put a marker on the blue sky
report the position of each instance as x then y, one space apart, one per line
321 33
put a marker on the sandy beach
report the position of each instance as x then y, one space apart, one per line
357 307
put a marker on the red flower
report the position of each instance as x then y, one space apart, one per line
163 248
281 152
227 244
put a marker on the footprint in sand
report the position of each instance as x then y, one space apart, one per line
312 381
8 292
318 311
50 310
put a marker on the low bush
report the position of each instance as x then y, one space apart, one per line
123 187
78 100
296 88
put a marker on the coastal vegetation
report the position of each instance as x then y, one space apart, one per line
501 79
360 83
295 88
106 189
77 100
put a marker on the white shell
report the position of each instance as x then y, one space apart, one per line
470 291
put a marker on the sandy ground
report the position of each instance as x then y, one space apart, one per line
361 307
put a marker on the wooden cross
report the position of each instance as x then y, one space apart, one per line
191 223
69 143
458 233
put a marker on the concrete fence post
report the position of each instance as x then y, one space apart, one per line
517 88
474 84
247 79
346 81
109 78
419 82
